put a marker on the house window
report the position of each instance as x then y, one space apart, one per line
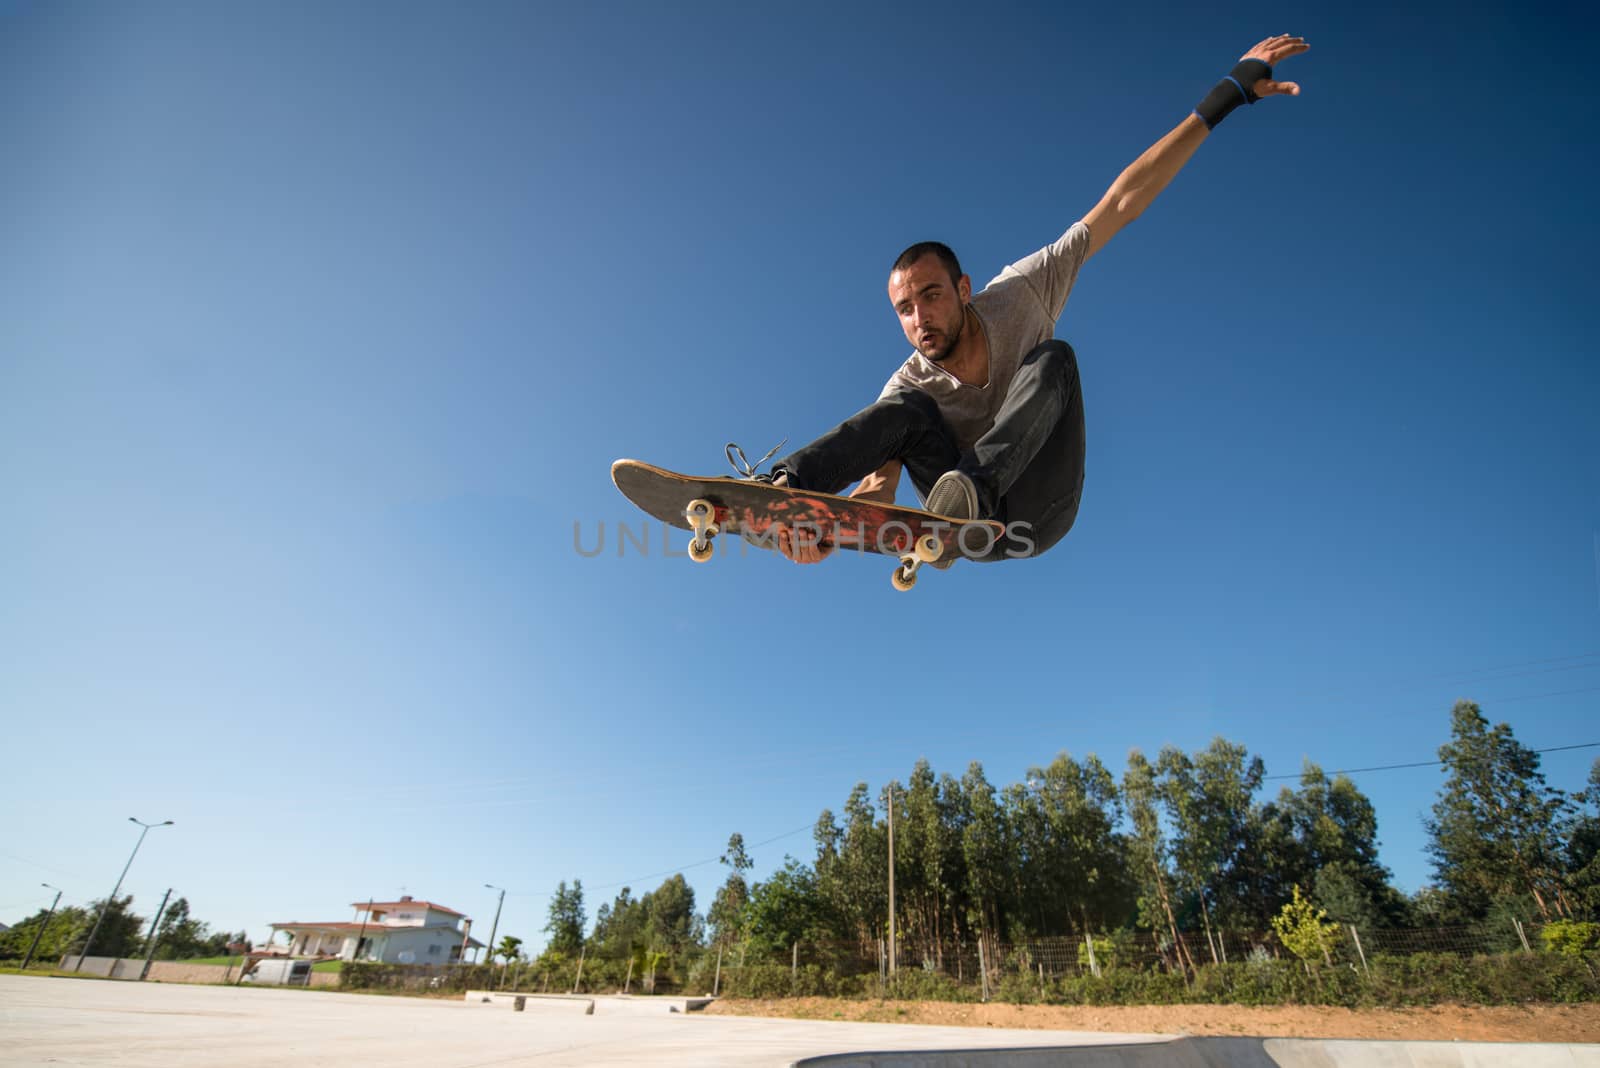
433 950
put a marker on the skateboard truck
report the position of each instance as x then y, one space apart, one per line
702 517
927 549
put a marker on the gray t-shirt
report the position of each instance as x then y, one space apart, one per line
1017 310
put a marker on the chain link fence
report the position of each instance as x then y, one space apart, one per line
1464 963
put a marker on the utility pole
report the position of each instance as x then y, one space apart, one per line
150 941
891 877
40 934
112 900
495 927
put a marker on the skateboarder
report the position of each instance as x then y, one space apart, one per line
986 415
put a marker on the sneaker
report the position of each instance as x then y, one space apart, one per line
954 496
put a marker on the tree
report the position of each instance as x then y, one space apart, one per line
986 849
785 909
670 920
509 949
567 918
121 932
1148 850
179 936
726 917
1495 834
62 933
1073 862
1582 847
1323 836
854 862
1207 798
1303 930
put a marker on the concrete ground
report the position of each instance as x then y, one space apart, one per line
98 1022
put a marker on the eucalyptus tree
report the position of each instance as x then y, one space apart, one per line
984 845
1208 799
1496 830
726 916
1149 852
566 920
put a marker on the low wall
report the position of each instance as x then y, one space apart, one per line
109 967
172 971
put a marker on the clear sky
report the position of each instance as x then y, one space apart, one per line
320 325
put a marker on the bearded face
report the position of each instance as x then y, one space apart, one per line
932 307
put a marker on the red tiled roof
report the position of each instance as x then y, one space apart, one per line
403 904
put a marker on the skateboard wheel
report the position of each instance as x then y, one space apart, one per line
904 577
700 552
700 512
928 548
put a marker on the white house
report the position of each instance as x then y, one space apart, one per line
391 932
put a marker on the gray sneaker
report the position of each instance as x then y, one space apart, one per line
954 496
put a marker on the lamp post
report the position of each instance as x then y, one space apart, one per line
29 958
84 952
496 925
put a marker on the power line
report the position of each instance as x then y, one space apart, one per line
682 867
1426 763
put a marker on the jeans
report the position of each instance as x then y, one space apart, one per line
1028 468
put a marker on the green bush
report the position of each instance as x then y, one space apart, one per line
1019 988
1571 937
921 984
782 981
417 978
1105 954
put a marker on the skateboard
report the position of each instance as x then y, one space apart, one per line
717 505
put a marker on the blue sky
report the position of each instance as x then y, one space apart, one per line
323 323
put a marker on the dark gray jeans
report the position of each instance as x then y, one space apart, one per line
1028 468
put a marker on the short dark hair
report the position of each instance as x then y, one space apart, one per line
930 248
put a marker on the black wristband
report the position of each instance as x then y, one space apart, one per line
1232 91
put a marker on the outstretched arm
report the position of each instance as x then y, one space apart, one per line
1148 175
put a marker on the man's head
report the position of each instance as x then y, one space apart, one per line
930 295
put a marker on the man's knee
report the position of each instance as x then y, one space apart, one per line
916 404
1053 357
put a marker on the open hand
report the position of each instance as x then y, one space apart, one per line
1273 51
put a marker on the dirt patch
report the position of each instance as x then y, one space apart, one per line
1520 1023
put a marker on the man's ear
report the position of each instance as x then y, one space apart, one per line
964 288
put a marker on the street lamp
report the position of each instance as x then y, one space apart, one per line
84 952
40 934
496 925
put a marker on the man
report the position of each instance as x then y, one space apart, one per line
986 415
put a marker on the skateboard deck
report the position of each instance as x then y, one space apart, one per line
718 505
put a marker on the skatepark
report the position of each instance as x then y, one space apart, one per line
89 1022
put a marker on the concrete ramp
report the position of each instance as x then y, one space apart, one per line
1235 1053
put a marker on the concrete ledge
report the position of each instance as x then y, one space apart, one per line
606 1004
564 1003
648 1004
